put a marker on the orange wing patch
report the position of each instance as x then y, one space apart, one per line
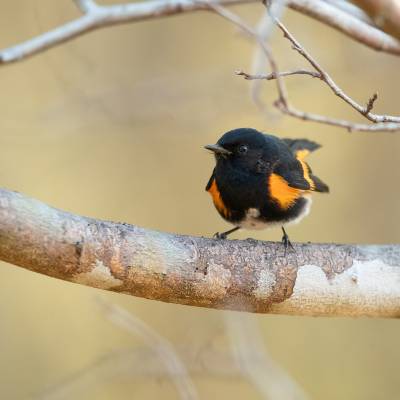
281 192
216 196
302 154
306 173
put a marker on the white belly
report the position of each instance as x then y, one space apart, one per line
253 223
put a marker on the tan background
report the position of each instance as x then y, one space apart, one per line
112 126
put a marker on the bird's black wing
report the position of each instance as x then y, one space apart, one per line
293 174
292 167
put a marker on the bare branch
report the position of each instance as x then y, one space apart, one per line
385 14
381 122
235 19
272 75
351 9
322 119
259 63
348 24
318 279
96 17
325 77
282 103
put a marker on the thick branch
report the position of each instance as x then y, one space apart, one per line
319 279
348 24
96 16
385 14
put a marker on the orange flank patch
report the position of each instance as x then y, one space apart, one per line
281 192
216 196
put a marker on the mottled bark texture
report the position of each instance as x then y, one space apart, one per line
318 279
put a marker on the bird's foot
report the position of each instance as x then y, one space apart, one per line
287 244
221 235
224 235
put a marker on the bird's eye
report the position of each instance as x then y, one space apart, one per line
243 149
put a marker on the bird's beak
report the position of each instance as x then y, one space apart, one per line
217 149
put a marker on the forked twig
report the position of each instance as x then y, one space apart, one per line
380 122
325 77
350 21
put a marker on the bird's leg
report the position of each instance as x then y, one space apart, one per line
224 235
285 241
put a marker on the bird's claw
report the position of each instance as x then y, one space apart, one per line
287 244
218 235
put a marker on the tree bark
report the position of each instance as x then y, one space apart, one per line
316 279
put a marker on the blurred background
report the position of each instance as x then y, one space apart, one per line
112 126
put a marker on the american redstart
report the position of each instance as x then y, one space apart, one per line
261 180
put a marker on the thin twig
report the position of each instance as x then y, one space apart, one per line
259 63
272 76
381 122
235 19
96 16
322 119
325 77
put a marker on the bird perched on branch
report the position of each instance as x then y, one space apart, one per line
261 181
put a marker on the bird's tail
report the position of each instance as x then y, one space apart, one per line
319 186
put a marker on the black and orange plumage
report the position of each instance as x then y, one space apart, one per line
261 180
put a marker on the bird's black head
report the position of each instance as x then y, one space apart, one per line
240 148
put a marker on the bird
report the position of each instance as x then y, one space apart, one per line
261 181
